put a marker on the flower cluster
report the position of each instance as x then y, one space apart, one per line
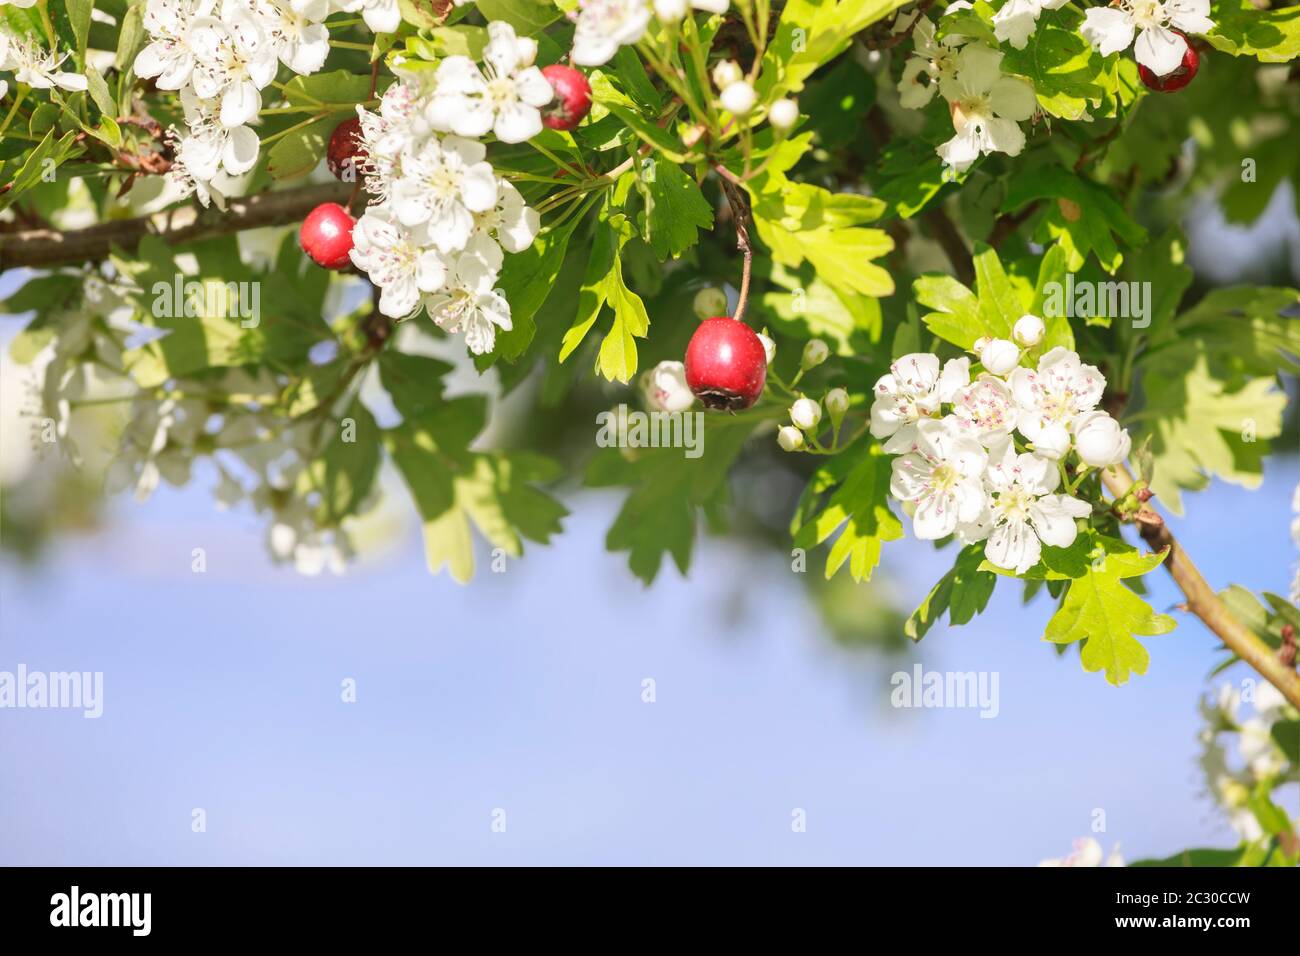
442 220
1261 759
986 105
258 457
219 55
983 456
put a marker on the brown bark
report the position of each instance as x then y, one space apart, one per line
43 248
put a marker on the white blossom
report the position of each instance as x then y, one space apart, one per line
789 438
815 351
806 413
1018 18
381 16
942 478
986 108
506 101
933 64
168 58
469 303
511 221
913 390
986 410
1028 330
783 114
665 388
442 185
605 25
1052 396
31 64
1158 47
398 259
738 98
297 31
1024 513
1087 852
999 356
1099 440
234 61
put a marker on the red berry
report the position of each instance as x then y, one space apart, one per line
572 97
1180 77
345 151
726 364
326 236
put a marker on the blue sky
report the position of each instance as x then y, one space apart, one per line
523 692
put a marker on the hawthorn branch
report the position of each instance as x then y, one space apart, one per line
1201 598
43 248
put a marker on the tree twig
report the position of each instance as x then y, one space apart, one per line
954 246
740 216
1201 598
1008 223
46 247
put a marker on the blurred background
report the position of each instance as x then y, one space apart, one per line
521 700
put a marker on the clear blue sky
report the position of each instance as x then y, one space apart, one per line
523 692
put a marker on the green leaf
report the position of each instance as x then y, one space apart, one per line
1068 75
99 93
812 308
454 489
1201 425
426 14
1051 272
203 315
343 474
131 39
618 357
1243 29
858 508
605 94
72 22
1082 215
338 87
659 516
415 384
956 315
602 285
810 33
528 17
301 151
801 222
1000 306
526 280
909 176
1099 610
963 592
675 208
1198 857
1286 734
46 157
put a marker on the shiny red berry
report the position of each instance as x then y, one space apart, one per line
726 364
326 236
572 97
1180 77
345 151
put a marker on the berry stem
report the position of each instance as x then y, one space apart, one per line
740 216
